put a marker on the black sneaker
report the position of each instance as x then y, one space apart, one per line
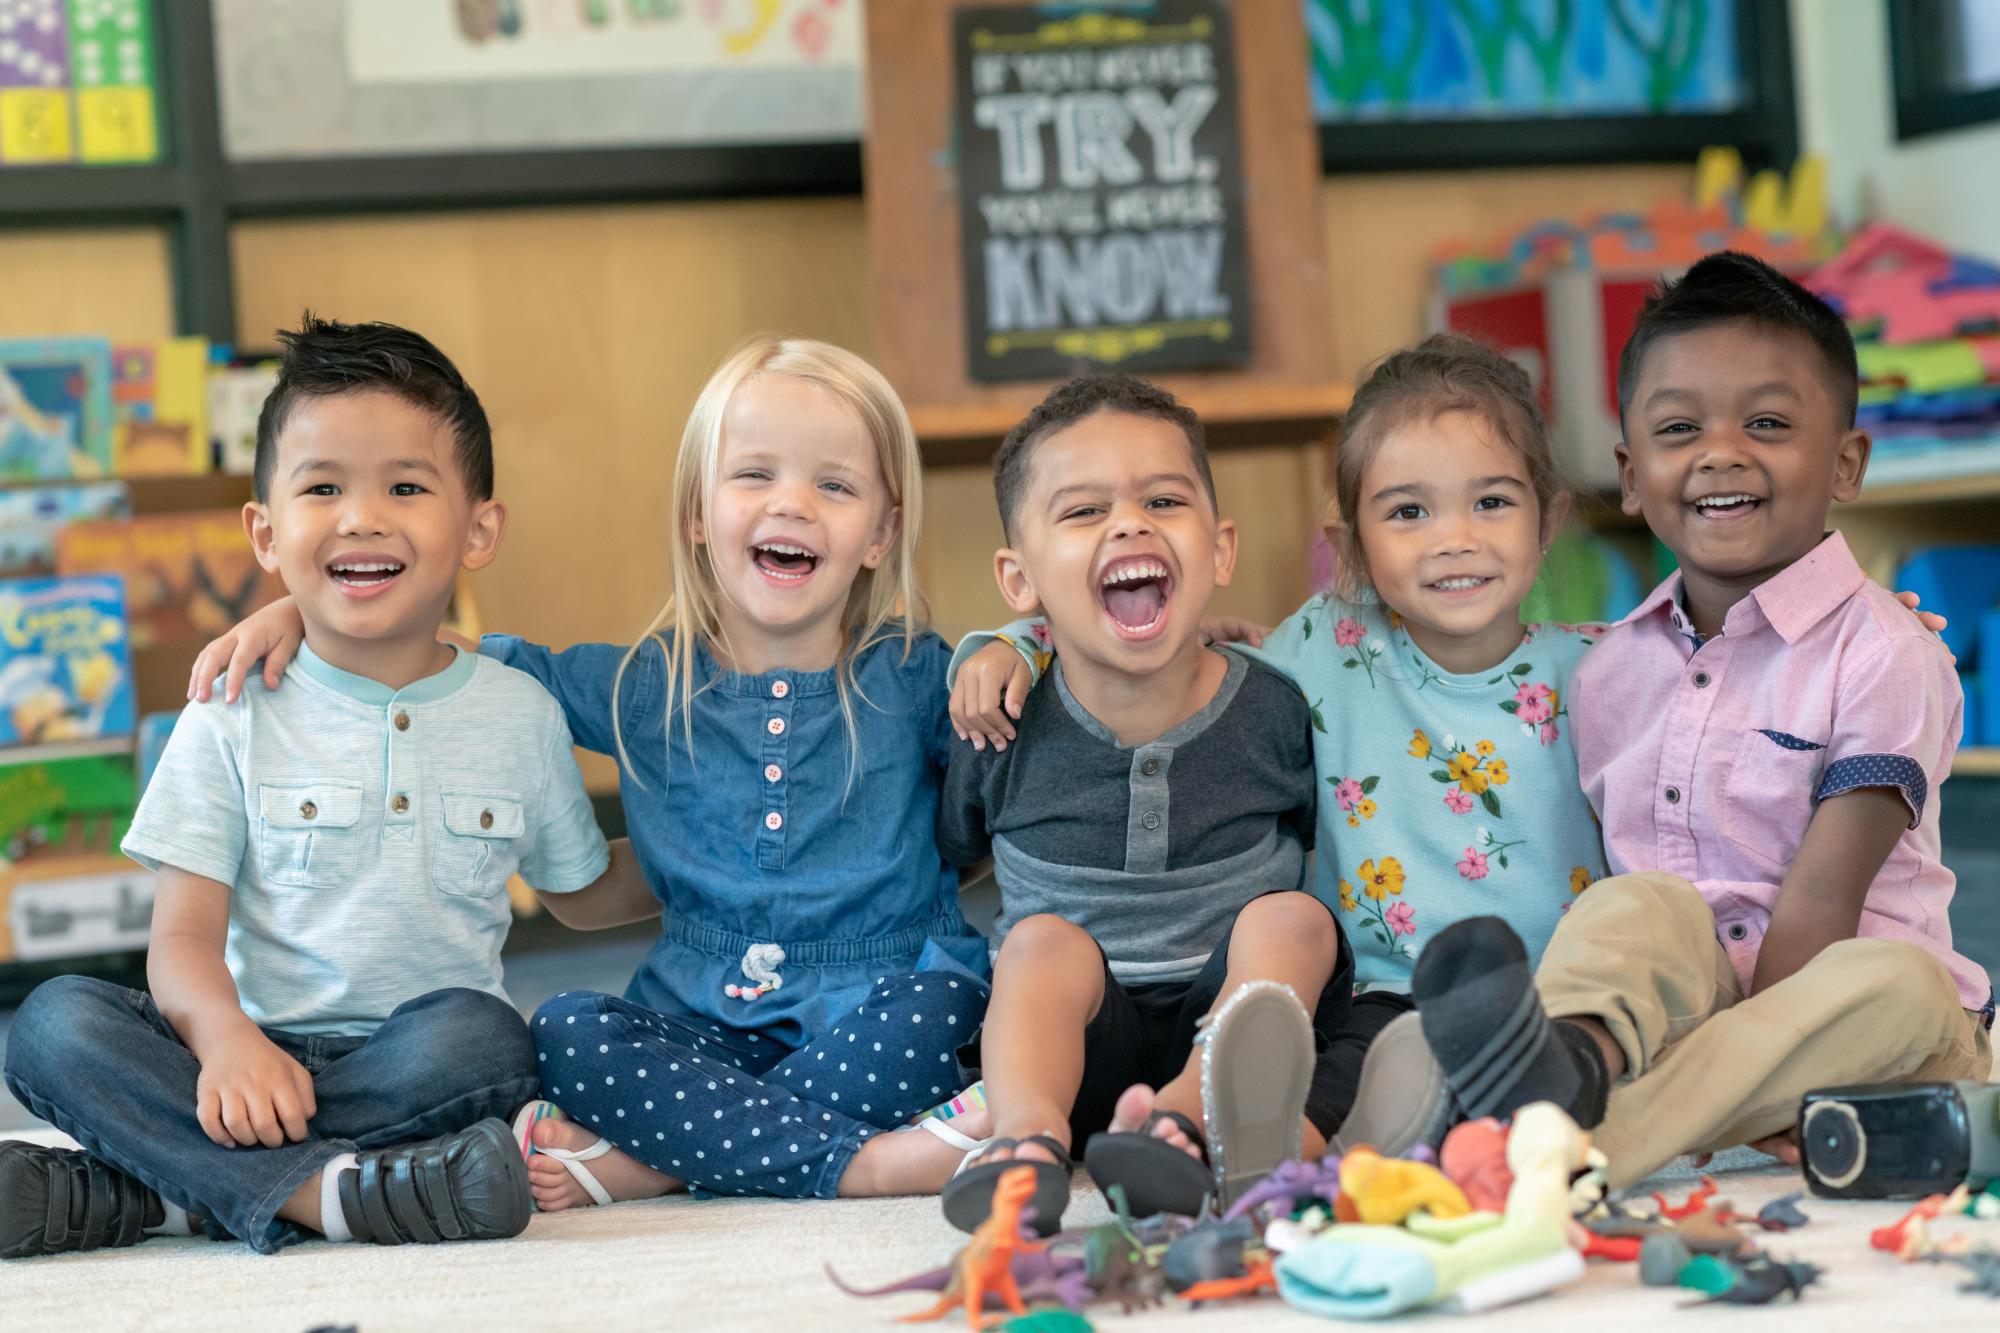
63 1200
472 1185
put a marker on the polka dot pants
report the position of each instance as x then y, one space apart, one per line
680 1097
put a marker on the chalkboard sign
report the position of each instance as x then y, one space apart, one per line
1101 188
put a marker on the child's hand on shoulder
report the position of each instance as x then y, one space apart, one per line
250 1092
273 634
1233 629
987 697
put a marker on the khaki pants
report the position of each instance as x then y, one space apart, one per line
1708 1069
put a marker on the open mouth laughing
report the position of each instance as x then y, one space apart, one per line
361 576
1461 585
1135 592
784 562
1733 505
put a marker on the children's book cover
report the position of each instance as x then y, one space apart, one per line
159 395
236 397
55 409
79 804
187 577
31 516
65 661
154 729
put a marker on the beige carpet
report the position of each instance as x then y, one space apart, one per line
755 1267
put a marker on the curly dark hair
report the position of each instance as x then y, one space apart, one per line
323 357
1071 402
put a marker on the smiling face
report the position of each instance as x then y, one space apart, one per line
1734 451
1118 542
799 509
369 523
1453 535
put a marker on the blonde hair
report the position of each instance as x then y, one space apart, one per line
1446 372
882 604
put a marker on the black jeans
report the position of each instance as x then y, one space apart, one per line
99 1063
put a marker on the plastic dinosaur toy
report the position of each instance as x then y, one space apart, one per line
1909 1236
1695 1203
985 1268
1212 1250
1257 1277
1758 1280
1782 1214
1386 1190
1117 1263
1293 1185
1982 1263
1709 1232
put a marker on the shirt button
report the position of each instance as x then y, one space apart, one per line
779 689
776 726
1738 931
772 772
1149 766
1673 795
1151 819
401 804
402 721
774 821
486 819
307 810
1701 680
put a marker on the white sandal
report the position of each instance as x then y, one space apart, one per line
572 1160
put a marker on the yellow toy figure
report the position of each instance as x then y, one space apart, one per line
1386 1190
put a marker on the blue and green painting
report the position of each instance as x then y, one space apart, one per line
1377 60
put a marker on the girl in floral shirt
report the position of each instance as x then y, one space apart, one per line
1450 787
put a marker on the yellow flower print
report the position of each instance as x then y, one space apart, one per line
1381 880
1366 809
1579 879
1463 763
1347 902
1354 821
1496 769
1396 622
1420 746
1485 748
1474 782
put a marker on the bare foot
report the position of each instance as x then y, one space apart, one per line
910 1160
1129 1117
623 1177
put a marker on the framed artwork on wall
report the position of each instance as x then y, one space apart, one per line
1946 57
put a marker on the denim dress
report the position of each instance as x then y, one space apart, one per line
802 896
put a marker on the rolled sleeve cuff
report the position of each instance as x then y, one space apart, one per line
576 876
155 855
1878 770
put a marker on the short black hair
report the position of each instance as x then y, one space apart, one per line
1069 403
323 357
1730 287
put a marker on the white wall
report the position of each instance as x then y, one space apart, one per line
1946 186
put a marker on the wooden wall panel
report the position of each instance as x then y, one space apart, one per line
112 281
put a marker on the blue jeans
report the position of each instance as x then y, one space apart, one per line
99 1062
732 1114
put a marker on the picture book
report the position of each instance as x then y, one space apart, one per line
55 409
65 661
154 728
236 397
31 516
65 806
187 577
159 397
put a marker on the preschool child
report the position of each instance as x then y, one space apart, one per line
1764 739
326 1047
1446 779
1148 828
782 736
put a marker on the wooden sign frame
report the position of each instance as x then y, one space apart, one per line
1285 393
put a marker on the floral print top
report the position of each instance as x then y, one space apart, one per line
1443 796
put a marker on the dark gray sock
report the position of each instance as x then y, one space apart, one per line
1481 1016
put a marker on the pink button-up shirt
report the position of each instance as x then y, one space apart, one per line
1707 760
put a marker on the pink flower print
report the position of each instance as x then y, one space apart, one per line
1040 629
1474 864
1459 802
1349 632
1537 703
1550 733
1348 793
1401 918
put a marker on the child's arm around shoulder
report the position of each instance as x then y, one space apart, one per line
586 883
1894 727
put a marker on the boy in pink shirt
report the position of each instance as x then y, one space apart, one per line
1763 740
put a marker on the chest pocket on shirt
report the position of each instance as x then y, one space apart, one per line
478 849
308 840
1767 795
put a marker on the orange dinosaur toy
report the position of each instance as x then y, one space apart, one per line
986 1264
1257 1277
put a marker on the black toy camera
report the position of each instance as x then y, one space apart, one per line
1899 1140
